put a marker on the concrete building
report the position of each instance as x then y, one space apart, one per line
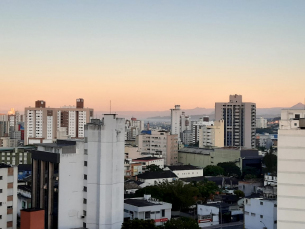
159 142
146 161
239 121
42 123
211 135
151 178
147 208
249 187
260 213
8 196
196 125
133 127
16 155
84 179
261 123
175 120
187 137
132 152
291 170
212 156
185 171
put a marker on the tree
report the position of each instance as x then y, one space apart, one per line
251 172
181 223
153 168
270 161
180 195
207 189
239 193
230 169
213 170
139 224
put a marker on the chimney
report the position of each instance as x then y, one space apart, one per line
80 103
40 104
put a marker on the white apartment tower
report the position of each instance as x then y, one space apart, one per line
175 120
80 183
291 170
42 123
8 196
239 121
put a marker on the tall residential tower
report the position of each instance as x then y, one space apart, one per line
239 121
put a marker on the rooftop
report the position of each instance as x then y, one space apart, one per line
183 167
157 175
139 202
147 158
59 143
2 165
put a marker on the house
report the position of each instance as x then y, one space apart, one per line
260 213
185 171
249 186
150 178
212 214
145 161
131 186
147 208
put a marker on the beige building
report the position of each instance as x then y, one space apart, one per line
43 123
212 135
291 170
159 143
239 121
212 156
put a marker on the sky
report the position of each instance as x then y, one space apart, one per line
150 55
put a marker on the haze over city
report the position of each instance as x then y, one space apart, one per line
148 56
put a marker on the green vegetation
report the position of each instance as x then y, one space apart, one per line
153 168
270 161
180 195
239 193
230 169
213 170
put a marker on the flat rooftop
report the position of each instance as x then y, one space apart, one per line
139 202
183 167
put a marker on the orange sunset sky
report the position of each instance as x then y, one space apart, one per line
151 55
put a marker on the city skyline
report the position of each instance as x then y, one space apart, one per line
140 53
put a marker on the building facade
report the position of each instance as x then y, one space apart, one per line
8 196
261 122
80 183
42 123
291 170
211 135
159 142
175 120
239 121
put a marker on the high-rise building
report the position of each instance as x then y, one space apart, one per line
80 183
159 143
211 135
42 123
8 196
133 127
261 122
175 120
239 121
196 125
291 170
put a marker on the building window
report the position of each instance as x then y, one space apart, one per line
1 178
247 213
0 203
85 177
0 216
261 216
0 190
84 201
163 213
275 222
85 163
84 213
84 225
85 189
252 214
147 215
275 205
262 203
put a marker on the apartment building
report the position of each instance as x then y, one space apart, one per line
8 196
133 127
159 142
16 156
80 183
197 125
291 170
211 135
239 121
175 120
261 122
43 123
147 208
